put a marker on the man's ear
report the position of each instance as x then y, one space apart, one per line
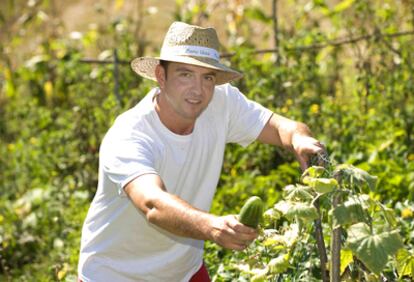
160 75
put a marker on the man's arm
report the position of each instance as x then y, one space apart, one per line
291 135
175 215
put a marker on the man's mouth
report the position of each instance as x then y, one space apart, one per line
193 101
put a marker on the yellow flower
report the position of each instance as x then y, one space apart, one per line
33 140
314 108
410 157
284 110
289 102
406 213
48 88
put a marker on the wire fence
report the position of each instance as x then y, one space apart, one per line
377 35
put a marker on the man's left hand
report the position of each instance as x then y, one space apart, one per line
304 147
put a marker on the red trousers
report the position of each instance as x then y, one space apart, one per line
200 276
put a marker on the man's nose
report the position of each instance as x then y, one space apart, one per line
198 85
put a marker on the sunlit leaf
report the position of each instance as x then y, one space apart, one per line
270 216
314 171
274 240
405 263
354 177
346 259
279 264
373 249
345 4
299 192
37 59
297 209
291 235
321 185
259 274
106 54
9 87
283 206
62 272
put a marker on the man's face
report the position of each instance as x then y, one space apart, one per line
187 89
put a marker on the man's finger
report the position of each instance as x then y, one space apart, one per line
303 163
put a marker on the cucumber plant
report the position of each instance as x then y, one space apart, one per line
334 208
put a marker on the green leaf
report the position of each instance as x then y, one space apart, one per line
279 264
299 192
348 213
270 216
287 239
314 171
259 274
257 14
274 240
373 249
321 185
353 177
405 263
343 6
389 215
293 209
346 259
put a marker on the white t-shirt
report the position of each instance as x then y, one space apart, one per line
118 243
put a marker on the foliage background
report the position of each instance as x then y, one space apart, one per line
355 94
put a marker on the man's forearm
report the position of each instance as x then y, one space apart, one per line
291 135
280 131
178 217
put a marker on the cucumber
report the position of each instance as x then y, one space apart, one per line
252 212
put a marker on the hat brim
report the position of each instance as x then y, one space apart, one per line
145 67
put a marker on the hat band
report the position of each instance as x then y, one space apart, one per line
189 50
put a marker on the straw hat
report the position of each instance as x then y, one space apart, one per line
188 44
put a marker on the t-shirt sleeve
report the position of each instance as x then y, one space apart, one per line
125 159
246 118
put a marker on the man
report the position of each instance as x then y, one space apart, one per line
160 164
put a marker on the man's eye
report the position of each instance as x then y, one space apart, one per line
210 78
185 74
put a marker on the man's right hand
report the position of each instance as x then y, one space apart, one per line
230 233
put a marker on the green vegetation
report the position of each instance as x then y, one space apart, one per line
343 67
330 201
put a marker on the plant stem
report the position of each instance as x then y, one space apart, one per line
321 244
335 272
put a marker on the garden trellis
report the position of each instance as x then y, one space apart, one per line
333 43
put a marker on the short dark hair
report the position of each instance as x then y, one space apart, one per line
164 65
